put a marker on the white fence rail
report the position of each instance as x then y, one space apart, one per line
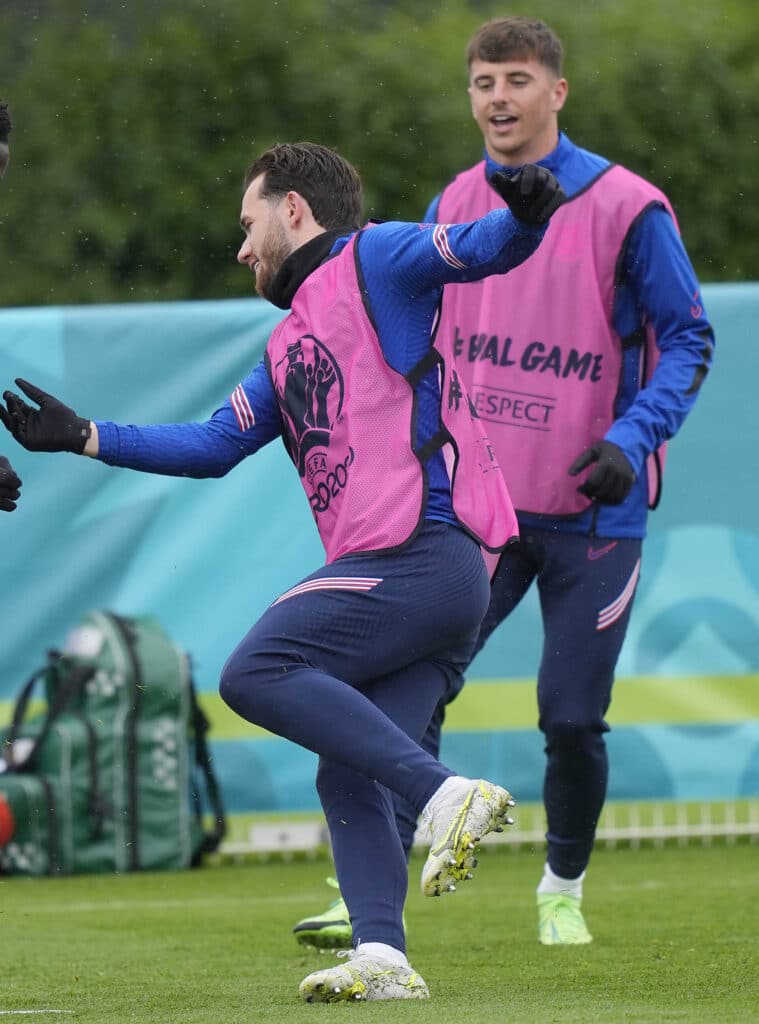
629 824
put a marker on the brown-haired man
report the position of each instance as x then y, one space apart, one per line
352 661
583 362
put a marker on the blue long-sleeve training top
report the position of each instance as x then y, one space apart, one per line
659 286
405 267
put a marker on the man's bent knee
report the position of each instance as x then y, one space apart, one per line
574 734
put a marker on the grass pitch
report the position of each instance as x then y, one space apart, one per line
676 939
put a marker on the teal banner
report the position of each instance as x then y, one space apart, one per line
207 557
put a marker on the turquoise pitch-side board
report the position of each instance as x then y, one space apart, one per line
206 557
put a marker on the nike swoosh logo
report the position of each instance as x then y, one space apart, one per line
594 553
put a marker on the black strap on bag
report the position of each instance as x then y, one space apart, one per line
54 868
63 695
80 674
200 726
19 713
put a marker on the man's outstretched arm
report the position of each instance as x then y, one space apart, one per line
208 449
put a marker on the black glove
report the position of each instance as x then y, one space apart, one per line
532 194
5 127
611 480
51 428
10 485
5 122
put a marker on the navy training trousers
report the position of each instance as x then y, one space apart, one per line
351 663
586 587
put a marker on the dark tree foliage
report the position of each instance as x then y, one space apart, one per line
134 124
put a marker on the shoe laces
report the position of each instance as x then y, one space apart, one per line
568 907
431 814
563 901
360 954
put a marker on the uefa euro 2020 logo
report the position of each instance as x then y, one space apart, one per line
311 400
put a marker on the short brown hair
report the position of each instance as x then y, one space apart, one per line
330 185
516 39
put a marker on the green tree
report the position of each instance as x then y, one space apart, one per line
135 123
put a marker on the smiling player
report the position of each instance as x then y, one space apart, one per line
582 362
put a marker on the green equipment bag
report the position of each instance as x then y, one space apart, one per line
120 752
29 805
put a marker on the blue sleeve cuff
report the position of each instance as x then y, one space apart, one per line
108 440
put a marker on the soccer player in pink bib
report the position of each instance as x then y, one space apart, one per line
582 363
352 661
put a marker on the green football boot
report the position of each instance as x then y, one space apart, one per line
560 921
329 930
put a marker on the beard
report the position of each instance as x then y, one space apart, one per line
275 249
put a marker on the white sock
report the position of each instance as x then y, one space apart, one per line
453 782
383 952
551 883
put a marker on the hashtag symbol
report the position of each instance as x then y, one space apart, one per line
455 394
